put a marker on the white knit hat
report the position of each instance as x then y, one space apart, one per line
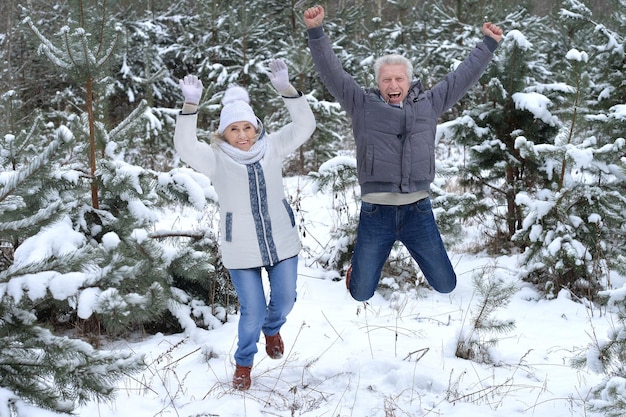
236 108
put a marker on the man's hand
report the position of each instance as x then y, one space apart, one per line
492 30
314 17
192 89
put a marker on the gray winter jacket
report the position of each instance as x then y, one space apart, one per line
395 145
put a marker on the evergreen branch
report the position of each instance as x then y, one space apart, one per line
49 45
90 59
68 49
57 372
26 142
102 28
39 217
129 121
570 134
110 50
20 176
165 234
55 264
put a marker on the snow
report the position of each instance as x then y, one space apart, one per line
86 301
48 243
344 358
618 111
389 356
110 240
392 356
576 55
537 104
517 37
195 185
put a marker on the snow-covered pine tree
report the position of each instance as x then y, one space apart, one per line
126 284
142 73
53 372
50 371
479 335
575 223
490 169
83 56
607 356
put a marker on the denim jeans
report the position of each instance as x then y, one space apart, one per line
256 313
380 226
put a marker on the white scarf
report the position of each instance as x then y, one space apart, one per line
254 154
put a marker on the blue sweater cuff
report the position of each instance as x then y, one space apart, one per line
316 33
491 43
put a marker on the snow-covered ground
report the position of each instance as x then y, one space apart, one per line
387 357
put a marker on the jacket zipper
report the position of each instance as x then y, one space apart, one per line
263 226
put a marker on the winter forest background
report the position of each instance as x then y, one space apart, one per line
533 158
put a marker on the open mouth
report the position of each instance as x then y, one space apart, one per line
393 96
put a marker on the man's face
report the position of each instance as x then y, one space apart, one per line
393 83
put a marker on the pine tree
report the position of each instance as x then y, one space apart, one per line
53 372
574 222
338 178
606 356
113 204
475 340
141 80
490 167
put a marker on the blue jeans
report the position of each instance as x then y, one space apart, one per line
380 226
255 313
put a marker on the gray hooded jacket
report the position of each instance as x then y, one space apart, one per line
396 145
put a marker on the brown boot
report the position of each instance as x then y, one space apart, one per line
348 273
241 379
274 346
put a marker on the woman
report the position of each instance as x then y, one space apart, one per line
257 225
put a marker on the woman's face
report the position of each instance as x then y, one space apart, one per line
241 135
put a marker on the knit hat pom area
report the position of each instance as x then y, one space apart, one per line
235 93
236 108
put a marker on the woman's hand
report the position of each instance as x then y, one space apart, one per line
192 89
279 75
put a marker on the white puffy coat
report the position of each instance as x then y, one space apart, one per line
257 225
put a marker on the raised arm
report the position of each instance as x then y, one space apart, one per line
302 124
447 92
198 155
341 85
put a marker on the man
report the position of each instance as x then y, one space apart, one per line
394 128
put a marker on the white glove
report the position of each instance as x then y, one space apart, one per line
279 76
192 89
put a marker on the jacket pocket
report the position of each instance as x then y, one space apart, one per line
369 160
289 212
229 227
